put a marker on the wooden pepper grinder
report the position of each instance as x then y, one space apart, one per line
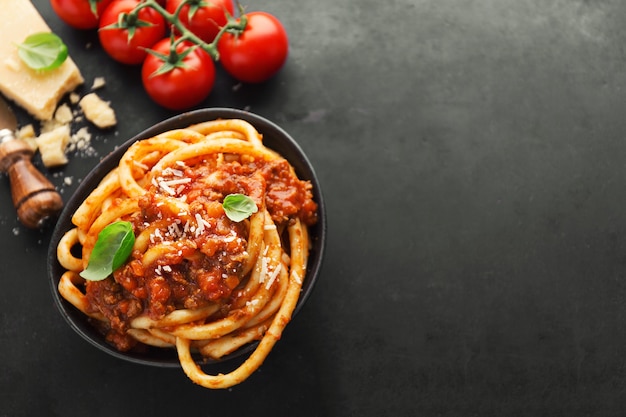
34 196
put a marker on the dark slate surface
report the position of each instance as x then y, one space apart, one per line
472 156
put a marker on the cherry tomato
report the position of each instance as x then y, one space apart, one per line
207 19
79 13
184 85
115 41
259 52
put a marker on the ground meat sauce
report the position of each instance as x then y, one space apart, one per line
201 251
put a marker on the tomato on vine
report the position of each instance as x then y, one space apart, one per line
125 35
178 73
202 17
80 14
258 52
177 79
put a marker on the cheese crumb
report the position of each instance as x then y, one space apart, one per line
273 276
81 142
98 111
27 134
98 82
81 139
27 131
63 114
52 146
74 98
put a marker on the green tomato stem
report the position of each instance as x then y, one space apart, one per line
232 25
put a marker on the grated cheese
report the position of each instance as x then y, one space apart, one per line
172 171
264 261
273 276
231 237
169 183
201 224
167 188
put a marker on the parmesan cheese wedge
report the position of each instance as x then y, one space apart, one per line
37 92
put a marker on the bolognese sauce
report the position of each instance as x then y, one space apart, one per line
200 250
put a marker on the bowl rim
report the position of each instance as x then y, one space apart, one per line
272 132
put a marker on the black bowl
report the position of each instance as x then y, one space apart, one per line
273 137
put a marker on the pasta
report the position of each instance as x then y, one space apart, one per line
195 281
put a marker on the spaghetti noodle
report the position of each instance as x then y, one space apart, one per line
195 280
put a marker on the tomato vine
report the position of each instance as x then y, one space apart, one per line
233 25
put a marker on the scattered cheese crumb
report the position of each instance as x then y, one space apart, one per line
48 125
27 134
52 146
27 131
81 142
74 98
97 111
63 114
98 82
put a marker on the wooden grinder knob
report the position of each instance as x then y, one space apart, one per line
34 196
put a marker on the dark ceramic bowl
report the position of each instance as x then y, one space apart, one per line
273 137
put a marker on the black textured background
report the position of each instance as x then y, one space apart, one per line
472 157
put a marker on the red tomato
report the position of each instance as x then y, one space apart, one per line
207 19
116 42
259 52
186 84
79 13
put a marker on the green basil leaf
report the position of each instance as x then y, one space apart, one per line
42 51
239 207
114 245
